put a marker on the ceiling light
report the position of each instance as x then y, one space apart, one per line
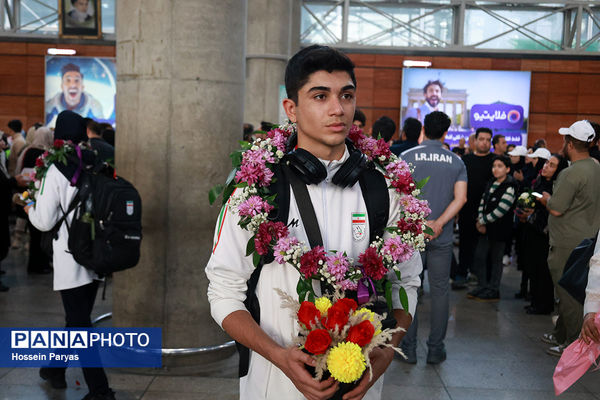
62 52
412 63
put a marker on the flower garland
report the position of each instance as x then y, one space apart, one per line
246 195
57 153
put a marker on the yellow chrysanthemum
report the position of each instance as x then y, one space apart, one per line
323 304
346 362
369 315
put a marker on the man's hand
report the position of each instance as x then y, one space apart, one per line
480 227
589 331
292 363
436 227
21 180
518 175
544 199
380 360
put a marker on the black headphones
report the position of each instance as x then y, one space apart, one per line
312 171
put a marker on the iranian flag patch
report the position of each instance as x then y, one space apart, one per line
359 225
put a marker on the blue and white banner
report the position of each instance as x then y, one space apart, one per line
81 347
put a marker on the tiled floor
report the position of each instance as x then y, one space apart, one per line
494 352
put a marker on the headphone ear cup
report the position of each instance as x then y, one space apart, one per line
350 171
308 167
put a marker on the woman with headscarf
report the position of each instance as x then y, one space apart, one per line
535 235
77 285
42 139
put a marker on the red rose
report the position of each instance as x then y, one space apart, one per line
308 314
59 143
347 304
361 334
317 341
337 315
372 264
39 162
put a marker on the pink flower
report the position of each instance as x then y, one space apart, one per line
347 284
399 251
309 262
267 232
356 135
415 206
254 167
398 167
408 225
372 264
337 265
278 138
282 246
253 206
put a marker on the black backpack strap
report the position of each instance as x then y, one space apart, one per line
305 207
377 199
62 219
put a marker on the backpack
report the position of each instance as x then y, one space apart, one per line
374 189
106 231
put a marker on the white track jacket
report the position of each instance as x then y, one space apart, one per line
229 269
56 192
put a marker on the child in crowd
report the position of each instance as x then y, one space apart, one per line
494 223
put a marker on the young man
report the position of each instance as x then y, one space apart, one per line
18 144
321 89
411 131
446 193
574 216
500 145
479 172
105 151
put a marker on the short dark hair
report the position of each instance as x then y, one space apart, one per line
360 116
504 159
484 130
579 145
562 164
94 127
436 124
108 134
436 82
248 129
70 67
496 139
412 129
16 125
596 127
310 60
385 127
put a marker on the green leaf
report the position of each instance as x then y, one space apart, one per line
392 229
231 176
214 192
241 185
245 145
311 296
227 193
250 248
398 275
428 230
388 294
403 298
256 259
236 158
422 183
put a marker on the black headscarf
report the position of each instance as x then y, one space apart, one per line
71 126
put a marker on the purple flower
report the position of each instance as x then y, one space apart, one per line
253 206
399 251
282 246
337 265
347 284
415 206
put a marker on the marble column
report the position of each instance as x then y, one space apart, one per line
272 38
180 91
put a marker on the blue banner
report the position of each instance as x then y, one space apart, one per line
81 347
497 116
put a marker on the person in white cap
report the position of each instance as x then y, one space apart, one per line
574 216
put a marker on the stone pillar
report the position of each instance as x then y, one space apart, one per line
180 90
273 35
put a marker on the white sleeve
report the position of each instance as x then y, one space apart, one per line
228 269
410 270
592 290
46 211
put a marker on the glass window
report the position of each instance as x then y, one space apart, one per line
321 23
542 30
400 26
39 16
590 30
108 16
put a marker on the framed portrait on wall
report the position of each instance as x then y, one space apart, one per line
80 18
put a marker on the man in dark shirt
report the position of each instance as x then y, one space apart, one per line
594 151
105 151
479 172
384 127
411 130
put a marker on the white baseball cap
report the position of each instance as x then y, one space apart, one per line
518 151
580 130
541 153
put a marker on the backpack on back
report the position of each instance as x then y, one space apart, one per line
106 231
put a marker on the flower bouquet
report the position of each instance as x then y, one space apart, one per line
526 200
339 335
